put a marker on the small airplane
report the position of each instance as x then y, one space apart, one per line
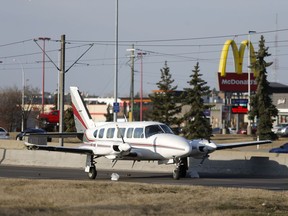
135 141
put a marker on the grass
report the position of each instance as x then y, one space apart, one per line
59 197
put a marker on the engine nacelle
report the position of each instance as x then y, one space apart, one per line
124 147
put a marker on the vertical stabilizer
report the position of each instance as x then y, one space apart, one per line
82 117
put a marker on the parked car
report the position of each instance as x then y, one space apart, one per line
279 126
216 130
281 149
21 135
4 134
282 131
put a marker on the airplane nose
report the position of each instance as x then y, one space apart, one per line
187 147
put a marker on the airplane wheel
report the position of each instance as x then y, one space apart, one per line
183 167
92 173
182 171
176 174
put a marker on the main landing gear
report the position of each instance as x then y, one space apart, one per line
92 172
181 168
90 166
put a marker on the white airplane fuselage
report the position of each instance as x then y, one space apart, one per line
135 141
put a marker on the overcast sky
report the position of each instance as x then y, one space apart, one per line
180 32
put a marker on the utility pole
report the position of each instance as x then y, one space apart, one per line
132 57
62 87
141 53
43 71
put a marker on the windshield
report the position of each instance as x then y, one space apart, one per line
155 129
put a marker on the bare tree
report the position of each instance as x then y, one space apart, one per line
10 108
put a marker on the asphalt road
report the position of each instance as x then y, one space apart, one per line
143 177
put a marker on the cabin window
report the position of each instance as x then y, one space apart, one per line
110 133
129 132
121 132
138 133
101 133
95 133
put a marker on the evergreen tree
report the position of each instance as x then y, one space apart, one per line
197 125
69 120
164 101
109 115
261 104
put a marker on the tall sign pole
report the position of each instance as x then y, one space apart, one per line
116 66
62 88
249 80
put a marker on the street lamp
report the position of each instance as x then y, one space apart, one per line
249 79
23 93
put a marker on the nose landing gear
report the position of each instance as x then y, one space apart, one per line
181 168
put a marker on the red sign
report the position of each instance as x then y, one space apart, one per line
233 82
239 106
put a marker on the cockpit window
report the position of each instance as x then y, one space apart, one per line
152 130
166 129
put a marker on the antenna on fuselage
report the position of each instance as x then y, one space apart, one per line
119 131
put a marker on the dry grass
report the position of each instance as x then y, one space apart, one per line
58 197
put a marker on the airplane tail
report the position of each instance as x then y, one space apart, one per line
82 117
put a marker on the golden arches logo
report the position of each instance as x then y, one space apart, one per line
238 56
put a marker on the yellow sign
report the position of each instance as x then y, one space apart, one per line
238 56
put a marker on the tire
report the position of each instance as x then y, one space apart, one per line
182 171
183 167
176 174
92 172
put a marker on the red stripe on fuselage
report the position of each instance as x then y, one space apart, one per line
137 145
77 115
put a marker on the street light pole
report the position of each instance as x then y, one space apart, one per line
249 79
43 70
23 94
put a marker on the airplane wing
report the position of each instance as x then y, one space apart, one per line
58 148
241 144
55 135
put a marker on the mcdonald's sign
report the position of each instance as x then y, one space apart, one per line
236 81
238 56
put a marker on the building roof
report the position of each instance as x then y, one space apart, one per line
276 87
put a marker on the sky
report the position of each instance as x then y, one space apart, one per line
180 32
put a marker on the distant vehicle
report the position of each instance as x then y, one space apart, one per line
242 131
49 118
30 131
4 134
281 149
216 130
283 131
279 126
232 130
